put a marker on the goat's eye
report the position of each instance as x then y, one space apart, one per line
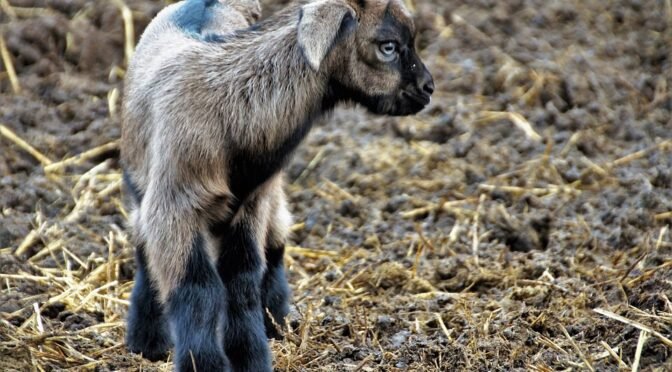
388 49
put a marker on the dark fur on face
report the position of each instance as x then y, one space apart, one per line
397 83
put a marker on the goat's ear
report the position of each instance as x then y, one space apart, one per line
321 25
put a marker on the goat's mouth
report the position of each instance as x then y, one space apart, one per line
409 103
401 104
420 99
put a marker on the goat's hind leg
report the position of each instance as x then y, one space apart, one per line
195 314
147 331
190 289
240 265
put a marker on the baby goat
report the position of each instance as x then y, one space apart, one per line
212 113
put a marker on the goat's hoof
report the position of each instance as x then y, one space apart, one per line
154 347
202 361
153 355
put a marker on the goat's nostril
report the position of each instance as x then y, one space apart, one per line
429 87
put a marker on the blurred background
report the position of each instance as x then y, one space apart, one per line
520 222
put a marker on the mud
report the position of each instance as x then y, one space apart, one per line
453 240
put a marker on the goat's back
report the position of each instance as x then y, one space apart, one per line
156 67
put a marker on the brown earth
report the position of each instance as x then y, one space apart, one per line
482 234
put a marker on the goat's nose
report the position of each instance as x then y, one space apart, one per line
426 82
429 87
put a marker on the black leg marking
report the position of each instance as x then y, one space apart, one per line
146 331
195 314
239 266
275 291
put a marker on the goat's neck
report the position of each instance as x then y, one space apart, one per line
264 77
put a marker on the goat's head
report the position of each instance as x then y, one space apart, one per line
368 48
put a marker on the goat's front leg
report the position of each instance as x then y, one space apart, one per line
192 293
275 290
241 267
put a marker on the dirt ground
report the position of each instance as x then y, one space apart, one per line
518 223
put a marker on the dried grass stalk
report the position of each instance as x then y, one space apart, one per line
643 336
129 30
635 324
578 349
612 352
7 133
9 66
515 118
79 159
